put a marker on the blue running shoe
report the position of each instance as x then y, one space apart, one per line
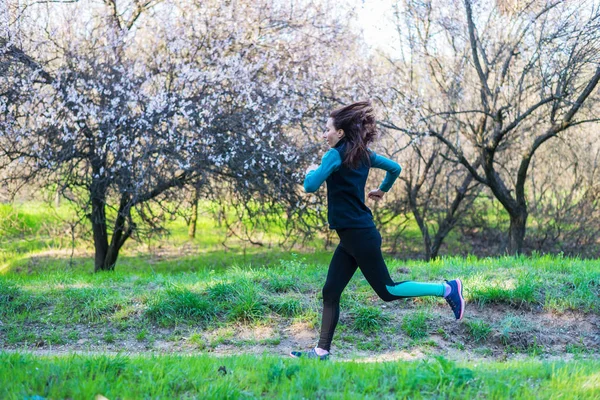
309 354
455 298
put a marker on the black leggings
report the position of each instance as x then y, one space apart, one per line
357 248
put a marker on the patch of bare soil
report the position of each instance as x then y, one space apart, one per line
511 333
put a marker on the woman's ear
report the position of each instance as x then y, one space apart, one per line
340 133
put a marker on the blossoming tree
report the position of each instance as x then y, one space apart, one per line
124 106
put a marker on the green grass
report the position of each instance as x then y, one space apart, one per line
369 319
198 295
248 304
516 331
56 294
78 376
282 284
31 228
416 325
281 291
30 219
176 304
288 306
90 305
478 330
197 341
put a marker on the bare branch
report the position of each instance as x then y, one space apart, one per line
553 131
20 56
585 121
583 96
486 93
115 13
54 1
459 154
499 135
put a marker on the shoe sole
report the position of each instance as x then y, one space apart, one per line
462 300
319 357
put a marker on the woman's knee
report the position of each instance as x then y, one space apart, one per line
385 295
331 294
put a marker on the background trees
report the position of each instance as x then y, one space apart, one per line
122 111
501 85
121 106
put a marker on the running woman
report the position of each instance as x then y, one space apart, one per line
345 168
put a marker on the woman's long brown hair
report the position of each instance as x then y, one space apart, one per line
357 120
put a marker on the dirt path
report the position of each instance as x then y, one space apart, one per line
513 334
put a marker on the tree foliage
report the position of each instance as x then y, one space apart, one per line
121 112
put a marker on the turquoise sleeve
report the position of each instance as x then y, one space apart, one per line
329 163
393 170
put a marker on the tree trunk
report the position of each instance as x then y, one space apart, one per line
427 244
435 247
194 218
120 235
516 208
106 257
516 232
422 225
111 258
451 216
98 218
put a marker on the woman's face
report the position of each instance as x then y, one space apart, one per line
331 135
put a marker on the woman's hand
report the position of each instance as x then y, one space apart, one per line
312 167
376 194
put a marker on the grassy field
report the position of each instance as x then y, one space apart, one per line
205 377
532 325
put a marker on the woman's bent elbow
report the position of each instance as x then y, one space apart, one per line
309 188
